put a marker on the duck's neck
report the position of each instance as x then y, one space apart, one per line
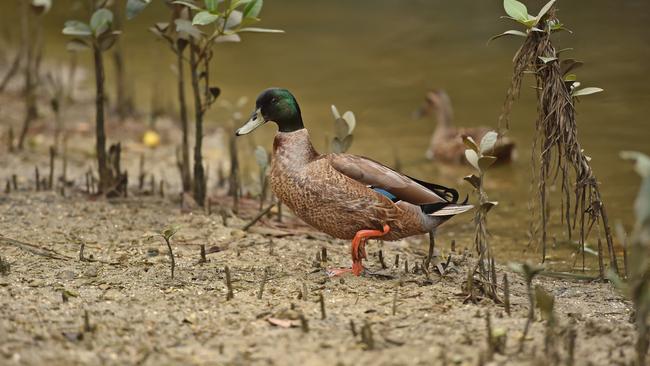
293 149
444 117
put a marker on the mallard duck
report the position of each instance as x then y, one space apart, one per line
446 142
346 196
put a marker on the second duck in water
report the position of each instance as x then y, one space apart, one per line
446 143
346 196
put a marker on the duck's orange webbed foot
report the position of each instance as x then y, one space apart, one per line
359 246
358 250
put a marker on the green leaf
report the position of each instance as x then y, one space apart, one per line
516 10
488 141
186 28
486 161
547 59
101 21
341 128
187 4
335 112
77 28
350 120
642 161
77 45
586 91
260 30
204 18
511 32
228 38
568 65
469 142
472 158
237 3
252 10
211 5
642 202
571 77
544 10
170 231
487 206
234 19
107 40
473 180
135 7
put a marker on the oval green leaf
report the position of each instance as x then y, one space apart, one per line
101 21
204 18
77 28
488 141
516 10
510 32
472 158
586 91
486 161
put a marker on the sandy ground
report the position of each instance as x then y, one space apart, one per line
138 315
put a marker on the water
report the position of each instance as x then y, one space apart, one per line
377 58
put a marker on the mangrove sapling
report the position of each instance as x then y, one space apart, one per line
262 158
546 304
13 69
31 28
556 152
57 99
343 127
637 287
221 22
177 38
478 157
99 36
528 271
167 235
124 105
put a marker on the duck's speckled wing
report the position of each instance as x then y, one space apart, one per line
377 175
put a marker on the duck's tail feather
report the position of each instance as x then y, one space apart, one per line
451 209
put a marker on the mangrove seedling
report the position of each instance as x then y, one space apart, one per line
343 127
219 22
167 235
528 271
557 153
262 158
637 287
478 157
99 36
177 38
32 43
124 105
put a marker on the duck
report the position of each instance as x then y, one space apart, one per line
346 196
446 144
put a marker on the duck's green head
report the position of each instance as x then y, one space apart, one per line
274 105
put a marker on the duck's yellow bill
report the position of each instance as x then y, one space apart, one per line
254 122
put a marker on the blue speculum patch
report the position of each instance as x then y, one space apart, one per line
384 192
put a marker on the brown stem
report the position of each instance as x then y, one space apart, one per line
199 174
104 176
186 176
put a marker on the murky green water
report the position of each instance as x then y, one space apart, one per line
378 58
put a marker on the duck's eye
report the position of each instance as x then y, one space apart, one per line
274 100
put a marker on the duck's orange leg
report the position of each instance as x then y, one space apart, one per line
358 250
